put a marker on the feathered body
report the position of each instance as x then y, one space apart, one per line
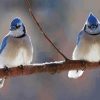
17 51
16 48
88 44
88 48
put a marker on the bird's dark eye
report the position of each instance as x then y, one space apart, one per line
18 26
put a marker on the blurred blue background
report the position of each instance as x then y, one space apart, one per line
61 20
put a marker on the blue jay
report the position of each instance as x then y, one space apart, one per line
16 48
88 44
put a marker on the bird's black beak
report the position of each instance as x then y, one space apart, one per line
12 28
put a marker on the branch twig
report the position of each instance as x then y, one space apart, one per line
40 28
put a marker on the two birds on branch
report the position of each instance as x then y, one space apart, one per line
16 48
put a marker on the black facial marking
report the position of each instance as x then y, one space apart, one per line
24 30
18 26
92 26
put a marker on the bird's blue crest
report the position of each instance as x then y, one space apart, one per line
15 21
92 20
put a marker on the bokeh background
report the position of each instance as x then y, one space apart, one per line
61 20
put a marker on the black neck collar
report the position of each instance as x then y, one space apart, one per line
94 34
21 36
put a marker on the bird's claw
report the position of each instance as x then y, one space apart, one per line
21 67
6 68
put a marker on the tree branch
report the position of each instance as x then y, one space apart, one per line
51 67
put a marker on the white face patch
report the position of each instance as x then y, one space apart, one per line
93 31
17 32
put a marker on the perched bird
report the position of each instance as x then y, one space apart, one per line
16 48
88 44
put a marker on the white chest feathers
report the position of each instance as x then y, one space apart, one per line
94 53
20 57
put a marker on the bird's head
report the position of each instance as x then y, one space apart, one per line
17 26
92 25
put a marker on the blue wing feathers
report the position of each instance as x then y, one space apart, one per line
79 37
3 44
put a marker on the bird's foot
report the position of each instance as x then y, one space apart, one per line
21 67
83 68
6 68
